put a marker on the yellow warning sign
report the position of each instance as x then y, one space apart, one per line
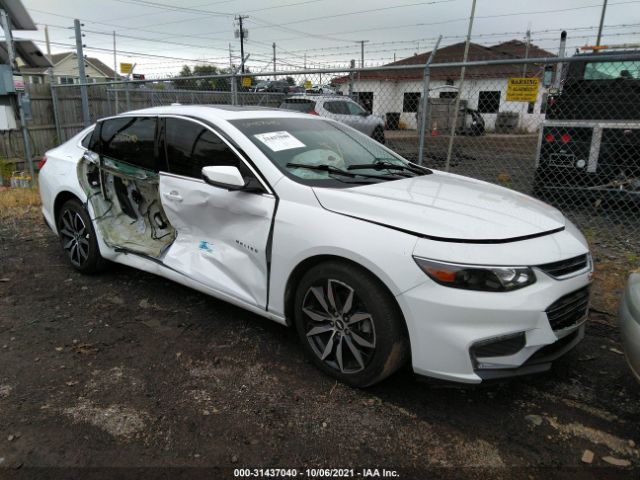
307 85
522 89
246 82
126 68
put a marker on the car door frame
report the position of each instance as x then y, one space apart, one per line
244 158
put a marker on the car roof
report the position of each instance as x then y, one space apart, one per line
318 97
217 112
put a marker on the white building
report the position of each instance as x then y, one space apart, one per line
65 70
484 88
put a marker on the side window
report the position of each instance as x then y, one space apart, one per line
354 108
190 146
130 140
86 140
339 108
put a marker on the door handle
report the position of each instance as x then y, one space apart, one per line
173 196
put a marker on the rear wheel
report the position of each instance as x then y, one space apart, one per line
349 324
78 239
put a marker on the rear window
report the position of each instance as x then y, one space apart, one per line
304 106
130 140
612 70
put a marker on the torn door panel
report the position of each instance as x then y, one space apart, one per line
127 208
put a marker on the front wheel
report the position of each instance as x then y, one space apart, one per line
78 239
349 324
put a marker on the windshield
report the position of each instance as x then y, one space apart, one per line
323 153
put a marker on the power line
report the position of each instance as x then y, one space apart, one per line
444 22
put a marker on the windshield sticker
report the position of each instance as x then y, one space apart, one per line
277 141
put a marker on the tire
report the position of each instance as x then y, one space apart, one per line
378 135
78 238
363 340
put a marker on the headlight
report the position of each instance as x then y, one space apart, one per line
473 277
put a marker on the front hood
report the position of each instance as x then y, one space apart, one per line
446 207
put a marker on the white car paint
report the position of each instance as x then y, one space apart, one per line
380 227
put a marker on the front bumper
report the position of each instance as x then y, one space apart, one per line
629 320
446 325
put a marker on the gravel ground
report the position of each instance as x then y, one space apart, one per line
126 369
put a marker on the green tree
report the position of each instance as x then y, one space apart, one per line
290 81
183 84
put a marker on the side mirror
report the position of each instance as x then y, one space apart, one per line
223 176
230 178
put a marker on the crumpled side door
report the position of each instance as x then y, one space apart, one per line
221 238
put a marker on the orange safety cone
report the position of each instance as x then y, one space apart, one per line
434 129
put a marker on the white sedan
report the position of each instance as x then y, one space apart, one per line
374 260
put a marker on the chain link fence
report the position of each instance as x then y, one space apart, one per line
564 130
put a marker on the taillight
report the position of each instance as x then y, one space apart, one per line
566 138
42 162
313 112
549 137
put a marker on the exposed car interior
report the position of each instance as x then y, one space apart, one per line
123 193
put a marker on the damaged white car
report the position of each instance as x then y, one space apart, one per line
374 260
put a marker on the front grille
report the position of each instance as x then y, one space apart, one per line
565 267
569 310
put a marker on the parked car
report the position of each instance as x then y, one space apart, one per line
630 322
374 260
271 86
339 108
295 89
322 90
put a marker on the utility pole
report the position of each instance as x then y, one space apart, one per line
526 52
11 54
462 72
362 42
240 18
46 40
115 63
274 61
604 9
86 118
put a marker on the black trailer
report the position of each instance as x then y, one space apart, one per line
589 146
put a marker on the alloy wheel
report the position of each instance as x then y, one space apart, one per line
75 237
338 326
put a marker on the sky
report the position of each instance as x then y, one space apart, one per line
161 36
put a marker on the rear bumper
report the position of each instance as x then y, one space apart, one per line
629 320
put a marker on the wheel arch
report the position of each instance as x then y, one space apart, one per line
60 200
301 268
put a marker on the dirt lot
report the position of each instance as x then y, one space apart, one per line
126 369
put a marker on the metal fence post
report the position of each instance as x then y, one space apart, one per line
127 98
234 89
351 66
457 103
84 94
424 114
56 114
